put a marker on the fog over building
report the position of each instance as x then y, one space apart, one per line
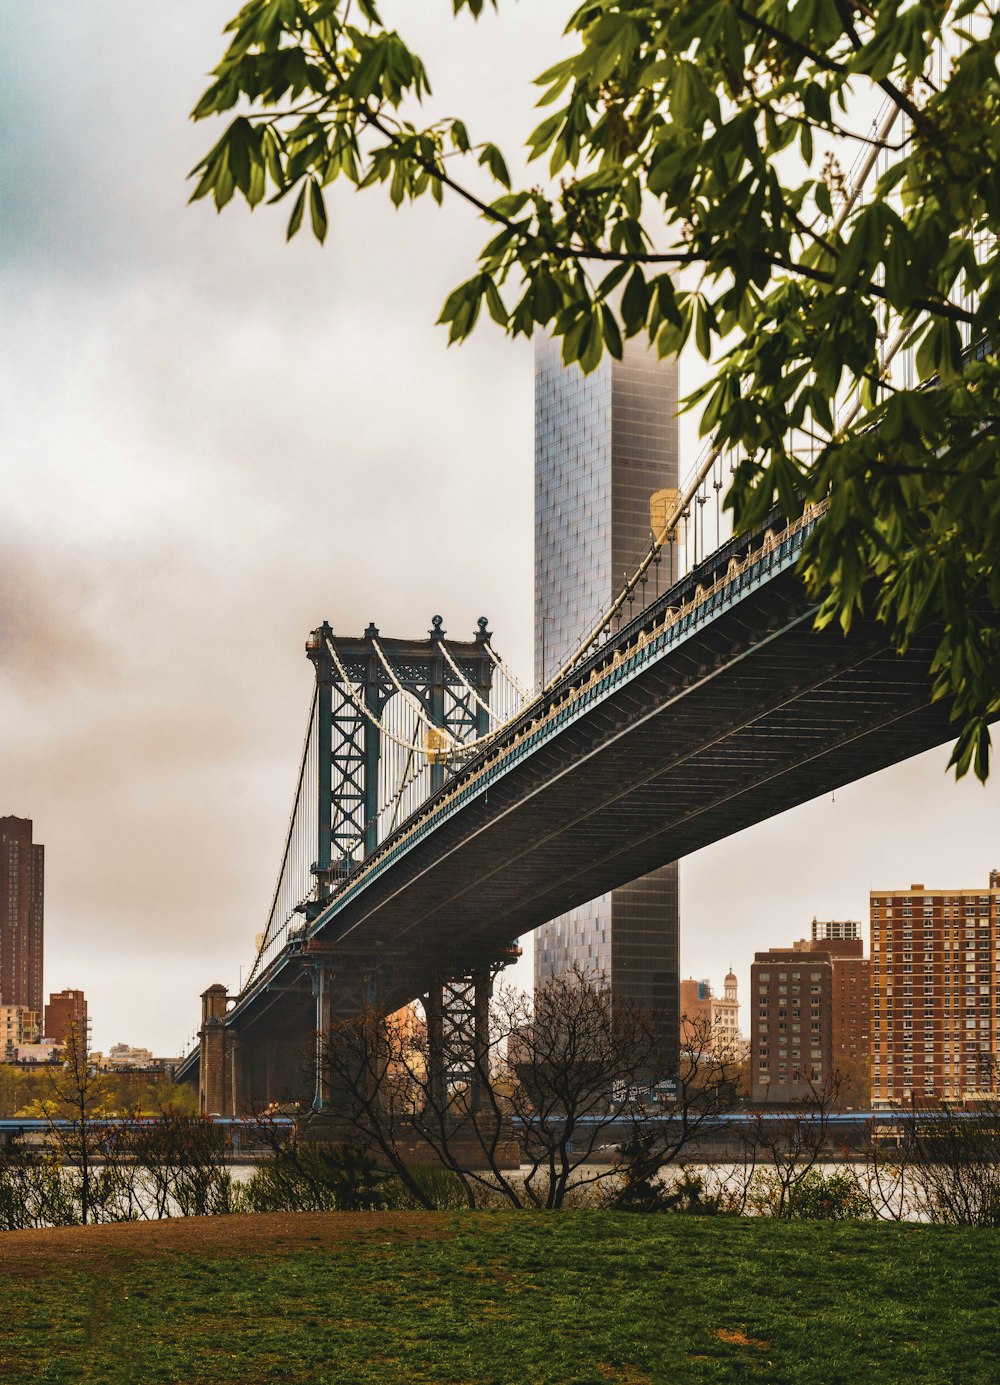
604 445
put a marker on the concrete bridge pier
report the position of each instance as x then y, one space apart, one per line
245 1071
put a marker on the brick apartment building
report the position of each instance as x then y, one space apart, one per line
841 940
809 1012
935 992
65 1011
22 903
791 1025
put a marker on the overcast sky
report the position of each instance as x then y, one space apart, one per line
212 441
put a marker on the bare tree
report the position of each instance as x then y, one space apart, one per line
781 1151
560 1074
701 1097
578 1069
34 1190
76 1129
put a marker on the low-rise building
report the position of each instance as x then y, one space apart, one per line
122 1057
39 1053
709 1020
18 1025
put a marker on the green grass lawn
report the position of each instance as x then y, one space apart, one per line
582 1297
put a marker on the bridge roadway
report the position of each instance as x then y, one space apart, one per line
715 708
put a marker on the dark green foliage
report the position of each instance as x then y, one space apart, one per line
646 1186
440 1189
829 1197
697 158
306 1177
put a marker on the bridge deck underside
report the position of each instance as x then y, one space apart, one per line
747 717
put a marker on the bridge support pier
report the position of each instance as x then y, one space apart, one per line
458 1035
321 977
215 1084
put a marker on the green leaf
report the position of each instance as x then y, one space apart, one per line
494 161
612 336
317 211
635 302
295 220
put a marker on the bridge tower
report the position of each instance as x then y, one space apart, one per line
357 680
391 721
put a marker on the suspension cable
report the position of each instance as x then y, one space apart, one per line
268 933
452 664
669 529
408 697
512 679
363 708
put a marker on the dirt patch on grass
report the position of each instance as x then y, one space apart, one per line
268 1233
737 1338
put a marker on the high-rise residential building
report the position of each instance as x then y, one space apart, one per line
22 903
935 991
791 1024
605 444
810 1012
65 1013
851 980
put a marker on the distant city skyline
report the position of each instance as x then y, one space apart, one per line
212 441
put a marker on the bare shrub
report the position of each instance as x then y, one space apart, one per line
939 1164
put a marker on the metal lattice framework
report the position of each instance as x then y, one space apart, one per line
391 721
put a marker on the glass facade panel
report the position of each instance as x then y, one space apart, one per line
604 443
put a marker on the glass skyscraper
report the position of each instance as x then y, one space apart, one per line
604 443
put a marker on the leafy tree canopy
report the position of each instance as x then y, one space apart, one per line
695 187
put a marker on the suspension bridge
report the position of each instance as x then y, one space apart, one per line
443 811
